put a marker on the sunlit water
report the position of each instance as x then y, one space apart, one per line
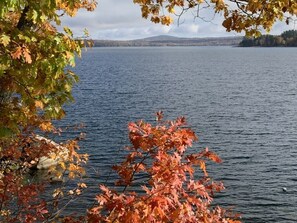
241 102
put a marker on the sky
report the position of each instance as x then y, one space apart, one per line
121 20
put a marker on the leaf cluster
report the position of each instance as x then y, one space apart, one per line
170 189
239 15
34 83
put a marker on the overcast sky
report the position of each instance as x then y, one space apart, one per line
121 20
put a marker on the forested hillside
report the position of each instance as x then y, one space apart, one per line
286 39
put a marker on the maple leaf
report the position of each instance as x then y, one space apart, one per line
27 56
17 53
5 40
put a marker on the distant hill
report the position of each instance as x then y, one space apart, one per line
165 40
160 38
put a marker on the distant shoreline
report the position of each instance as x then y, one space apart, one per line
286 39
159 41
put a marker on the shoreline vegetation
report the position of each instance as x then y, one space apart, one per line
286 39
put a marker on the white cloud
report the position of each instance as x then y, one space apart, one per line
185 30
129 33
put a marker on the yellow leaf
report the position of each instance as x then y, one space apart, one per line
5 40
203 167
62 165
171 10
46 126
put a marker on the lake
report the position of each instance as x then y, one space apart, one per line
241 102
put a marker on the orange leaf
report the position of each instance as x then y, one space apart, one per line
17 53
39 104
27 56
214 157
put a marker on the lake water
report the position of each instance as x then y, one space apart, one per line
241 102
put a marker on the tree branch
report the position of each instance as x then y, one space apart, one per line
22 21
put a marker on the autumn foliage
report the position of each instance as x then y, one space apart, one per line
34 79
35 83
250 16
158 180
22 196
171 189
158 166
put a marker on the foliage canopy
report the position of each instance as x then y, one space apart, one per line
240 15
34 83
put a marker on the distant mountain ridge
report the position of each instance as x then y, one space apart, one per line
166 40
160 38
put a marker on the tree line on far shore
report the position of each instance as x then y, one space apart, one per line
286 39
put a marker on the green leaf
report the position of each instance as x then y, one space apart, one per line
26 38
43 18
5 40
34 16
5 132
68 31
57 39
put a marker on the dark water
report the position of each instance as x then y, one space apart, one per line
241 102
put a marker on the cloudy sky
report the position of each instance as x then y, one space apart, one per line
121 20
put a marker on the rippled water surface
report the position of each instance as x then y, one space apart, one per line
241 102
